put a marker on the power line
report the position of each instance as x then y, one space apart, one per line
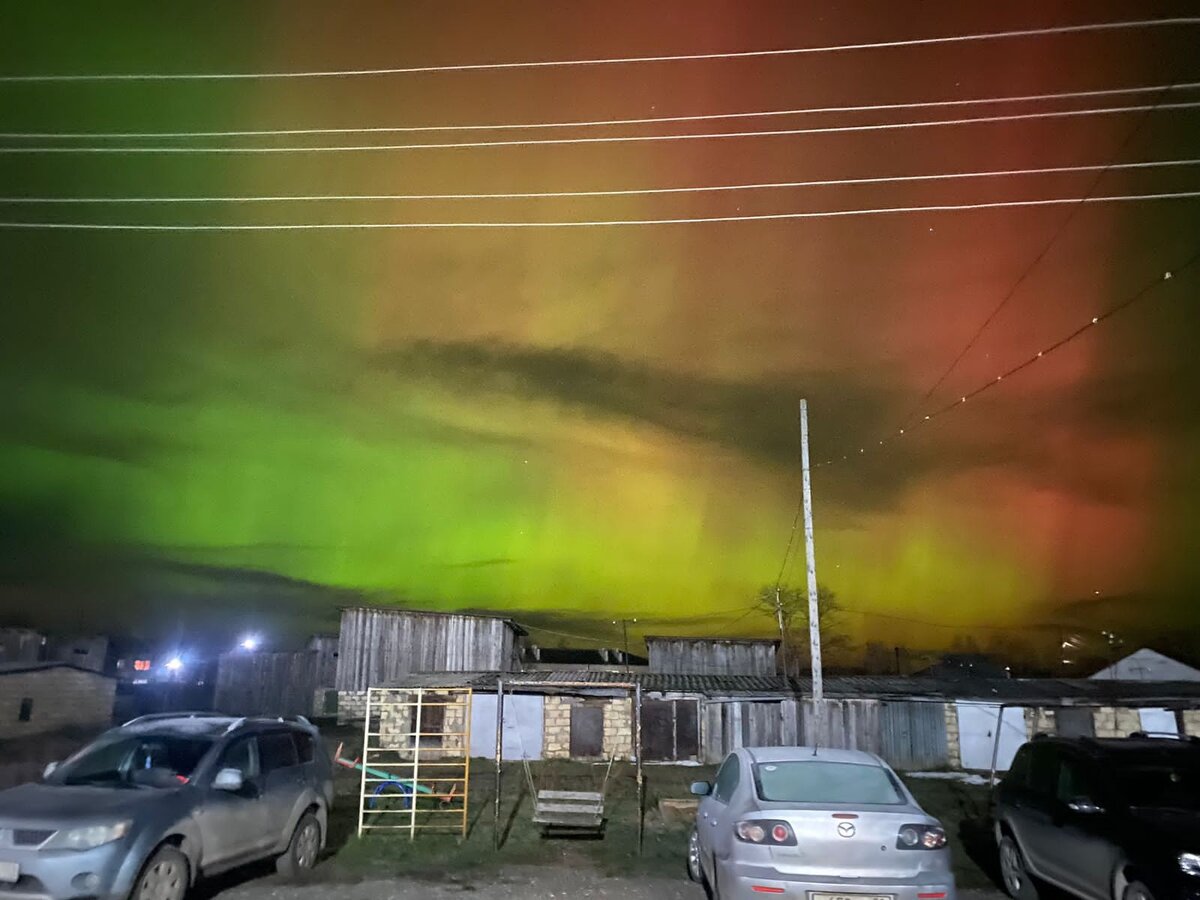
622 192
1035 262
1139 295
614 139
649 120
744 54
600 223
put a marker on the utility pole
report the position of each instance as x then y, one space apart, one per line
625 638
814 610
783 651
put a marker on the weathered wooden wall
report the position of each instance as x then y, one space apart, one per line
275 684
711 657
377 646
728 724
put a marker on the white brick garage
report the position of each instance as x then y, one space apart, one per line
36 698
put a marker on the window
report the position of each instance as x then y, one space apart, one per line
727 779
25 713
1074 781
141 759
1043 769
240 755
433 721
276 750
304 746
825 782
1018 772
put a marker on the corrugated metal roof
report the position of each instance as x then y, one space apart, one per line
1045 691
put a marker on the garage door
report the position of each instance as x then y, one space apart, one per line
977 726
522 726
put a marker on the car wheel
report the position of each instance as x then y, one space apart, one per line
695 868
1137 891
164 877
305 846
1017 880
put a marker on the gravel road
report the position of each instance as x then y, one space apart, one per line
514 884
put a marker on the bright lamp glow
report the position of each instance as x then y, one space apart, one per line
174 664
250 642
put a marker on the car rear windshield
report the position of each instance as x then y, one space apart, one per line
146 760
819 781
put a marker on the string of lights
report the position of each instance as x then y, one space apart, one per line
594 123
597 223
1141 294
1036 261
606 139
619 192
688 57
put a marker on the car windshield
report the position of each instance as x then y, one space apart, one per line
143 760
1162 783
819 781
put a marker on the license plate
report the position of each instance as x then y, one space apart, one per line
818 896
10 872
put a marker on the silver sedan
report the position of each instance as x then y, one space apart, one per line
815 824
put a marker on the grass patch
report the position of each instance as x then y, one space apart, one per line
961 808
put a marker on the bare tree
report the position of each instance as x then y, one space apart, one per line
793 602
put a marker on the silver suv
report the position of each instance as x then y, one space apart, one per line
147 808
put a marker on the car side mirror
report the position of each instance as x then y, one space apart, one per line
50 769
1085 806
230 780
701 788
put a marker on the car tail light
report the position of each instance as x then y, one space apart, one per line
765 831
920 837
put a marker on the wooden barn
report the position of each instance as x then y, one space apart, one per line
277 683
712 656
378 646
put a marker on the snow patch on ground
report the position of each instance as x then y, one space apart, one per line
961 777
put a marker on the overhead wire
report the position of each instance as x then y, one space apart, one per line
1049 245
593 123
1139 295
618 192
1081 28
597 223
606 139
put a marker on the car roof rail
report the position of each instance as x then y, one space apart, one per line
183 714
1164 736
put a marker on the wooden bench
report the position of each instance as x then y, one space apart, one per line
574 810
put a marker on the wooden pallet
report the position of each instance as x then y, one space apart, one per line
574 810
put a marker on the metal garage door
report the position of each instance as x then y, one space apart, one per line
914 735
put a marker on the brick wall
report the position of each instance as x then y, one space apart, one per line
352 707
1191 722
1113 722
953 748
618 726
60 698
1040 721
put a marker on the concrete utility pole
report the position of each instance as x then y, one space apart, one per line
783 649
814 610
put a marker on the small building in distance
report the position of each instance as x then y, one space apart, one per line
85 651
40 697
21 645
1148 665
712 656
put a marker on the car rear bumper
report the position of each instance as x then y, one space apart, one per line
743 882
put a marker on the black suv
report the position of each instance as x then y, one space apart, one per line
1114 819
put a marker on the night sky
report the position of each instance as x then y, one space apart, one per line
575 425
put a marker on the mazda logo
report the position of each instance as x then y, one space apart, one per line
846 829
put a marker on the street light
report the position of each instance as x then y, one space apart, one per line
250 643
174 664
